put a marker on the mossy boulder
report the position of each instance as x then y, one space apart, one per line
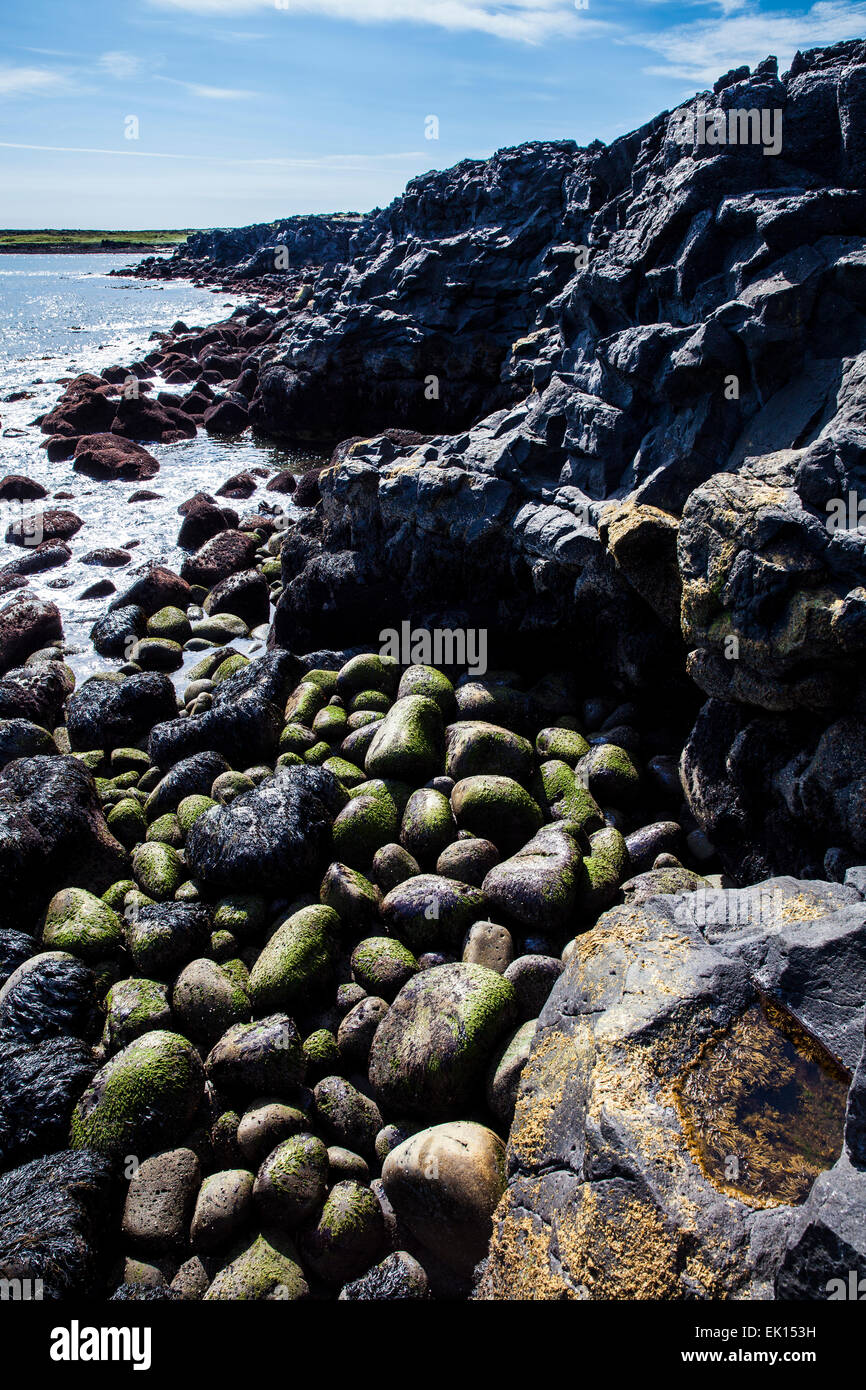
364 825
220 628
158 654
171 623
434 1046
158 870
330 724
409 744
565 798
191 808
506 1069
427 825
230 667
115 896
83 925
242 914
468 860
426 680
162 937
348 773
296 738
604 869
167 830
134 1007
263 1057
292 1182
494 702
560 745
348 1236
268 1269
610 775
206 1000
142 1100
392 865
497 809
427 911
352 896
537 887
382 965
349 1116
369 671
321 1053
304 703
368 702
473 747
126 821
229 785
298 960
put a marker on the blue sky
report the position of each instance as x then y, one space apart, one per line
248 110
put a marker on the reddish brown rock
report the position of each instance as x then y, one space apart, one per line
111 456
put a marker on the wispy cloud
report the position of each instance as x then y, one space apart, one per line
119 65
200 89
525 21
350 163
702 49
31 81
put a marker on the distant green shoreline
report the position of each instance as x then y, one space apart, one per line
49 239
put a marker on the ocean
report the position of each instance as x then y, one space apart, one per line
65 314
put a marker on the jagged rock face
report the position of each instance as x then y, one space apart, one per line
649 359
632 1171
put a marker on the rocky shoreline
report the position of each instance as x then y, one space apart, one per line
336 975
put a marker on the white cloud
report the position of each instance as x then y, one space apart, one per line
702 49
30 81
119 65
526 21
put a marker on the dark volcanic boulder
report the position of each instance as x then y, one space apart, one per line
116 633
21 739
229 415
272 678
44 556
26 625
16 488
110 456
239 485
49 995
278 834
110 711
203 519
39 1085
54 1216
245 594
52 835
224 554
156 588
55 524
143 419
245 732
87 406
191 777
35 692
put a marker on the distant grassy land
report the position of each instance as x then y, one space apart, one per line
52 239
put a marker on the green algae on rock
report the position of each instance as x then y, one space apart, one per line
143 1099
435 1043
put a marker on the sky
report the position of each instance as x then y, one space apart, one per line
204 113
